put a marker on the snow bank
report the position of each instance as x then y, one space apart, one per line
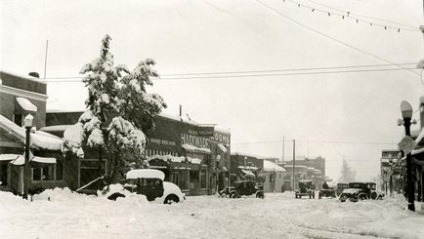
279 215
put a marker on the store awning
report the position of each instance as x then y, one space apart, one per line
248 173
8 157
195 149
26 105
19 160
39 139
222 148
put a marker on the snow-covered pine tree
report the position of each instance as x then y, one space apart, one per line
347 174
118 111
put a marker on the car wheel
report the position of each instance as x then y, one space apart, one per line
362 197
373 195
233 195
260 195
114 196
172 198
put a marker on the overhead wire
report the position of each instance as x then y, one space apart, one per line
243 74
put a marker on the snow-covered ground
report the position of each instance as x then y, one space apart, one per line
279 215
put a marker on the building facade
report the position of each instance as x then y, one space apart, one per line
21 96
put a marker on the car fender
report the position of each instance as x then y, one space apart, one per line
170 188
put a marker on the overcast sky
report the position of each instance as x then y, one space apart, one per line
349 115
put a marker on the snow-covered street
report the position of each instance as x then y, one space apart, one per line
279 215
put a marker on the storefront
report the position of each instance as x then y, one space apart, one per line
193 156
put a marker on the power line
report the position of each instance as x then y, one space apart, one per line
218 76
288 69
329 37
318 141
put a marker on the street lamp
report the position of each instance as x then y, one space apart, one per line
218 159
406 110
28 125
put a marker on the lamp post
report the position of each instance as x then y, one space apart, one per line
406 110
28 125
218 158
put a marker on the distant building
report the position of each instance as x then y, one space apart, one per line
273 176
305 169
245 166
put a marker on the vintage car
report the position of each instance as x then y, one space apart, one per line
306 188
148 182
243 188
351 194
360 191
341 187
327 192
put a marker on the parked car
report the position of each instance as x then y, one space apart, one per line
360 191
351 194
306 188
149 182
243 188
327 192
341 187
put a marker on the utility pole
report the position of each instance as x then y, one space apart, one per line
294 158
45 60
282 157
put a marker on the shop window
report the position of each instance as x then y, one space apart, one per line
3 174
36 174
184 180
59 170
45 173
17 119
202 179
194 179
175 178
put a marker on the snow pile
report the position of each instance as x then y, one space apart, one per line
279 215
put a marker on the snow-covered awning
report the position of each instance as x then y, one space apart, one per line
248 167
175 159
19 160
248 172
222 148
270 166
8 157
38 139
26 105
192 148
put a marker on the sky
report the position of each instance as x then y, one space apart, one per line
340 115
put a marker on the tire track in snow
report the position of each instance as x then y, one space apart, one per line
316 233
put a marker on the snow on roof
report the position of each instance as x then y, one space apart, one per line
56 128
38 139
222 130
270 166
178 118
145 173
296 166
27 77
20 159
74 134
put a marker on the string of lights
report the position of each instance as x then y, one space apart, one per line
361 15
306 27
349 16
